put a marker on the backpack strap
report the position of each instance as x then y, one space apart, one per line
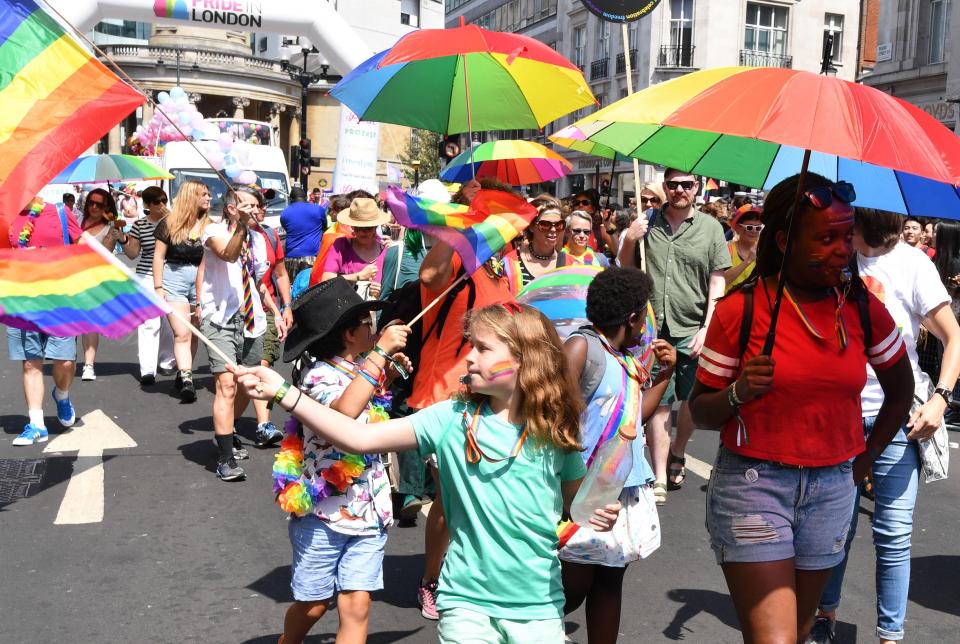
273 241
746 320
62 213
595 364
447 304
863 304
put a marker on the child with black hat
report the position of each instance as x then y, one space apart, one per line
340 503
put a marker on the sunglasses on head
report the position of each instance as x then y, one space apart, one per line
582 202
686 185
752 228
821 198
547 226
580 231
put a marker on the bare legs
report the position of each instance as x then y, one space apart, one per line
657 431
63 372
436 537
353 606
91 342
602 588
184 342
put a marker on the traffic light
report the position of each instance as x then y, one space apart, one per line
449 147
303 155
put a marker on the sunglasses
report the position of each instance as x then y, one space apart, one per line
580 231
582 202
547 226
752 228
159 201
96 204
686 185
649 199
822 198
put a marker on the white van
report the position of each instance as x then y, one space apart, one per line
184 162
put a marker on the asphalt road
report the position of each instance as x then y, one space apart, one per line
180 556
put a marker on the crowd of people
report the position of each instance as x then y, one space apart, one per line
484 430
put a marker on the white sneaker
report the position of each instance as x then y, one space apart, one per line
88 373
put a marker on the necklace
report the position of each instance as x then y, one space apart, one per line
27 231
474 453
840 326
542 258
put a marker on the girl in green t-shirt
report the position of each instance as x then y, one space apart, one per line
509 458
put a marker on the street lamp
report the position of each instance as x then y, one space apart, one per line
306 79
162 65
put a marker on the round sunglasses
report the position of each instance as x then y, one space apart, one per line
547 226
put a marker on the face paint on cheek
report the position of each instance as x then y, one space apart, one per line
501 370
815 261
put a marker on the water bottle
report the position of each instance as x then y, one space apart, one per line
604 480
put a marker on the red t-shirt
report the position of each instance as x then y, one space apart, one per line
811 415
47 228
441 365
273 256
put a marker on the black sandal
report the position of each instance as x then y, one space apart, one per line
680 473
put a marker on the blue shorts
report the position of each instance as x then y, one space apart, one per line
180 283
33 345
325 560
762 511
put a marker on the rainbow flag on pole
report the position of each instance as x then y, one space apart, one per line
477 232
70 290
56 100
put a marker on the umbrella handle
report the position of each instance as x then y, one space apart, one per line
466 89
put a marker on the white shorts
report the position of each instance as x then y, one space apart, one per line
635 535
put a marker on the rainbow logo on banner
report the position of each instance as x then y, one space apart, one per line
171 9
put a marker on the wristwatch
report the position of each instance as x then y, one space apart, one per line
945 393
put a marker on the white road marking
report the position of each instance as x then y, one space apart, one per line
425 509
954 445
83 499
698 467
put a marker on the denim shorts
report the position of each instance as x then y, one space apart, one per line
33 345
325 560
764 511
180 283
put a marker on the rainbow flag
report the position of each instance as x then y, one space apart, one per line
476 232
56 100
70 290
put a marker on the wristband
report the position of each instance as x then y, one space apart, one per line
732 396
281 392
391 360
369 378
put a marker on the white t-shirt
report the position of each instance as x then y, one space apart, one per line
907 283
222 289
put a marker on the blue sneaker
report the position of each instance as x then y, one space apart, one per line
65 413
268 434
31 434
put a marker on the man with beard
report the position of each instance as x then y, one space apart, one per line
686 257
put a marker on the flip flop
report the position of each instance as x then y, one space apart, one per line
660 493
673 472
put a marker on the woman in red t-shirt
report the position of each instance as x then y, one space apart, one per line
782 490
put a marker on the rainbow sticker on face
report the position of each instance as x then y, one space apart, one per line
501 370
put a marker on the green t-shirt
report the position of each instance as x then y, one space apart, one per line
502 560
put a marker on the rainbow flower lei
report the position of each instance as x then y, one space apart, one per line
299 494
36 207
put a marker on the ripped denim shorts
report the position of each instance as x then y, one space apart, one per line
764 511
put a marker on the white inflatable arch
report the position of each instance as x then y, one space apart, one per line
316 20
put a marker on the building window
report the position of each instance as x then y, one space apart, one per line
603 40
939 28
681 24
263 45
580 47
833 24
410 12
765 36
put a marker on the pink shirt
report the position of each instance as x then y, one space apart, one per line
342 259
47 229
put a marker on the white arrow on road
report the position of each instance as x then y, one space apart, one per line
83 500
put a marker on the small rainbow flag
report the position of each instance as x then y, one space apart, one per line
71 290
56 100
477 232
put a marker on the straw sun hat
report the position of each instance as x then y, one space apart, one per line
363 213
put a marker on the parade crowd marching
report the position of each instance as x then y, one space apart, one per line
469 399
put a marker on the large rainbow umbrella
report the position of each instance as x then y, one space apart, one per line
98 168
752 126
465 79
561 295
513 162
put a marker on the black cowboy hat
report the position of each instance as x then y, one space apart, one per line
320 310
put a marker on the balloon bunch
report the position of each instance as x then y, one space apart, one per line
227 160
175 107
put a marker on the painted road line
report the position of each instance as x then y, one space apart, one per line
83 500
698 467
954 445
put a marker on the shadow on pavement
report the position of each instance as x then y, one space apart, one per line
386 637
274 585
202 452
933 582
194 425
697 601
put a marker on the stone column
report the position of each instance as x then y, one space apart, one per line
240 102
276 109
294 130
114 144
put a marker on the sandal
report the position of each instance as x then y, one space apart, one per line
660 493
676 471
866 487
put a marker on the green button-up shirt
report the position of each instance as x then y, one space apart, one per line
680 264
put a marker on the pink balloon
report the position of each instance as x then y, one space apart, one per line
216 160
247 177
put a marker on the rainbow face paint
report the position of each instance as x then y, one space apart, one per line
501 370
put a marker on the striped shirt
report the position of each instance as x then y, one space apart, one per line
143 231
811 415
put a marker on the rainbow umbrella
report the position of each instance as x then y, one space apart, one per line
99 168
561 295
513 162
465 79
754 126
573 137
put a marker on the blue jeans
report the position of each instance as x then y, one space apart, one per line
895 476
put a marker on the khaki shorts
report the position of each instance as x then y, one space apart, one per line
230 339
271 341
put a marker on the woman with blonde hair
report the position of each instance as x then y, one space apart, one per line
176 259
651 196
